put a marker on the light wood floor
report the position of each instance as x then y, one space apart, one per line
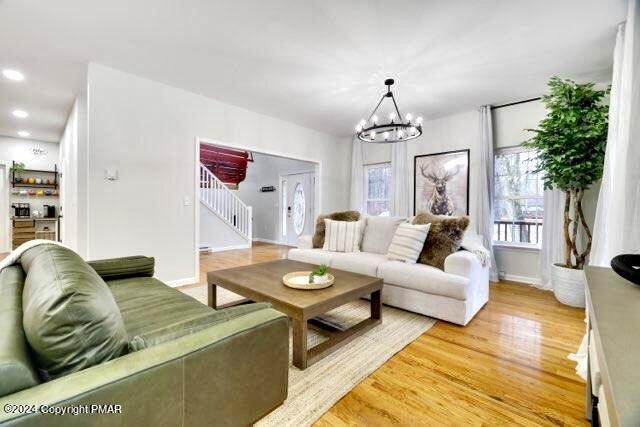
507 367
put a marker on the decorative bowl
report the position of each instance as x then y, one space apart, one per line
300 280
627 266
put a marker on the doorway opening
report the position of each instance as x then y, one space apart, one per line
247 194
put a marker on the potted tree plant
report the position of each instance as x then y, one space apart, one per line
570 142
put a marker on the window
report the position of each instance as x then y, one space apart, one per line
298 209
519 195
377 189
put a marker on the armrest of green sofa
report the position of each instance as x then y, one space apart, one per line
232 373
124 267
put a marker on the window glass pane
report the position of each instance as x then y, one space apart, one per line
518 193
378 189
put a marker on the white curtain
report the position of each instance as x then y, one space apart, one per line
399 171
617 223
356 199
484 213
552 248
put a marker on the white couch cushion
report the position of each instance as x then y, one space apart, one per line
312 256
379 232
358 262
425 278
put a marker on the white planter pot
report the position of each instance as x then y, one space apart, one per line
568 285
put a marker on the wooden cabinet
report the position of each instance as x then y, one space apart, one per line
25 229
613 381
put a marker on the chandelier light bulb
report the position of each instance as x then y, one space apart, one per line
392 116
358 128
374 119
412 130
408 117
13 75
386 135
419 120
373 134
363 123
400 133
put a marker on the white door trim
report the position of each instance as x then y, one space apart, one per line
317 205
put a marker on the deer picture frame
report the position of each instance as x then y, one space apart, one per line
441 183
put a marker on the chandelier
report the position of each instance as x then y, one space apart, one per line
395 130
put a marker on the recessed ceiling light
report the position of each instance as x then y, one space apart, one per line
20 114
24 133
13 75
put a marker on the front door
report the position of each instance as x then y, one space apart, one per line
298 195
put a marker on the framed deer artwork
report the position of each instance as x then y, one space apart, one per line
441 183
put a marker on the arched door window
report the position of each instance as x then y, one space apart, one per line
298 209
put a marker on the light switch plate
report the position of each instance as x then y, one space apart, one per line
187 201
111 174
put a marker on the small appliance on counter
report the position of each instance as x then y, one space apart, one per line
21 210
49 211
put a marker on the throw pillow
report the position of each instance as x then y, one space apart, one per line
444 238
379 232
408 242
342 236
318 237
70 317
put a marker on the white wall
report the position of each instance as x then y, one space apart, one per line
216 234
73 183
146 130
264 171
19 149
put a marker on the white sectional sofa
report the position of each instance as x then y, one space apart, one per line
455 294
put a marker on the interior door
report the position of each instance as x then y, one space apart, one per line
298 209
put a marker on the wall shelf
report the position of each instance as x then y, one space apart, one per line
18 182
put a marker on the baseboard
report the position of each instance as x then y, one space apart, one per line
230 248
522 279
273 242
181 282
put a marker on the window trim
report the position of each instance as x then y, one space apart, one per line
535 247
365 186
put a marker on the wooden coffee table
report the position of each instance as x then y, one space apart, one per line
263 283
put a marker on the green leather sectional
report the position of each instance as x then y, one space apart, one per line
105 344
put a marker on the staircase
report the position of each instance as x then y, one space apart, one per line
215 195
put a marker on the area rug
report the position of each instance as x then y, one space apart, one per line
316 389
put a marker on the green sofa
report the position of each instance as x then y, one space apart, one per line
104 343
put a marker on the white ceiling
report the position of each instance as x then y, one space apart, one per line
319 63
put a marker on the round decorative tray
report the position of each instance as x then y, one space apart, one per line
300 280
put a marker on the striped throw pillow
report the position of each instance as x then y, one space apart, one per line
342 236
408 242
